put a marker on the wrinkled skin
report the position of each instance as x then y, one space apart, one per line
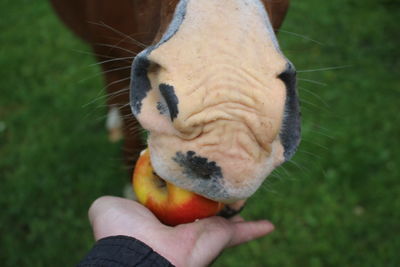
226 93
213 94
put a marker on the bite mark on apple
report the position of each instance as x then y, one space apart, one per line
197 167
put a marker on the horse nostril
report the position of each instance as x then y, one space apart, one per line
140 83
172 101
290 135
197 167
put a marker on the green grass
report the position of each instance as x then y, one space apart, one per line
336 204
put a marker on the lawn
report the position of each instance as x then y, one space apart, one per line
337 203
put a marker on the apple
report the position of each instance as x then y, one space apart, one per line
170 204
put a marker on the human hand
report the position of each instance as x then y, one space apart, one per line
192 244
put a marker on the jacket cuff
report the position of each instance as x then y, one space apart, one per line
118 251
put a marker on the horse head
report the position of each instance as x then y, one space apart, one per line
217 97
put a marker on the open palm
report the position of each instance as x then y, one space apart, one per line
193 244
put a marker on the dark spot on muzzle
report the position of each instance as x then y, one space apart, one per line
290 133
168 93
197 167
162 108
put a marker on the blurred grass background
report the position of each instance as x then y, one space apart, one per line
336 204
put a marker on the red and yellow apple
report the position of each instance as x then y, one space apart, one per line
170 204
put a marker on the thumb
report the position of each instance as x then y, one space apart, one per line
246 231
216 233
229 233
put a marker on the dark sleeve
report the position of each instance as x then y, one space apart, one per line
122 251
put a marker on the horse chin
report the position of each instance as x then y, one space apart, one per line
212 173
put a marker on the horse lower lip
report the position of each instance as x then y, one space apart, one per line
161 183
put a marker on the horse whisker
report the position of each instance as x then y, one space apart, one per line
301 36
110 60
312 81
91 53
104 88
315 95
104 72
120 33
326 68
117 47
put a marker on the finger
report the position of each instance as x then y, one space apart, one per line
109 204
101 205
236 218
216 233
247 231
118 216
210 236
